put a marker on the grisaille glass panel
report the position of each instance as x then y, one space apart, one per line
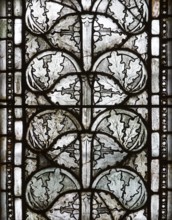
85 113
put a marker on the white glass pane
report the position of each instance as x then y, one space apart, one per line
18 31
155 46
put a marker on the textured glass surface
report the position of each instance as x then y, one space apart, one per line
85 110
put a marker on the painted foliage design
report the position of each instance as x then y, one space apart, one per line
85 61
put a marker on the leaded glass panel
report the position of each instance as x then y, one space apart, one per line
85 109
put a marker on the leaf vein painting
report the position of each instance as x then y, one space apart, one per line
85 110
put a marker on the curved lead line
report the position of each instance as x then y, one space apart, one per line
125 185
134 136
86 205
43 191
55 37
84 92
116 61
73 4
67 92
31 24
123 51
33 127
57 97
67 173
87 148
107 91
65 206
105 5
46 66
95 125
87 35
86 200
97 4
37 11
106 206
144 4
145 20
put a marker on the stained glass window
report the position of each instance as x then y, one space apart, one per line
85 109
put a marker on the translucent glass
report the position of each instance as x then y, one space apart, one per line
85 109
